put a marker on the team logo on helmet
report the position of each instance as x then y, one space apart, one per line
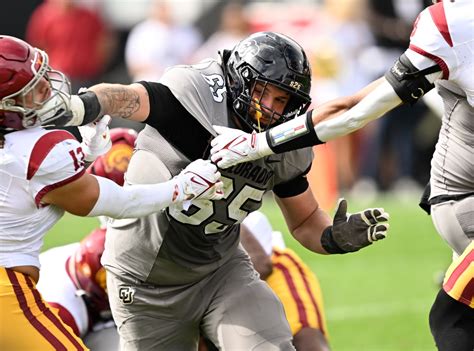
248 47
118 158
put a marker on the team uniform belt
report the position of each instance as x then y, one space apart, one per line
444 198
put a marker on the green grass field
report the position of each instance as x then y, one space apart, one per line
375 300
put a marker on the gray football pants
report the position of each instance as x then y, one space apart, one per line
231 306
454 221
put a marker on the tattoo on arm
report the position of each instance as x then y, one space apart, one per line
118 100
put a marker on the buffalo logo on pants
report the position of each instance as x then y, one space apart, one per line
126 294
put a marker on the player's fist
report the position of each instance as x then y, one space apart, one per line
199 180
96 138
234 146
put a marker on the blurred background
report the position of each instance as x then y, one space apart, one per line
350 43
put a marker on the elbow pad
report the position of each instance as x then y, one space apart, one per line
409 83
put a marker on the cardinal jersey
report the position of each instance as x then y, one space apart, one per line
178 246
443 33
32 163
59 291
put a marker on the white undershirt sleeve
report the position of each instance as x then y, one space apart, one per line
132 201
378 102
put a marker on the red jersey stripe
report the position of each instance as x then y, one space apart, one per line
468 293
20 296
438 60
307 287
461 267
66 316
53 318
296 297
50 187
42 148
439 18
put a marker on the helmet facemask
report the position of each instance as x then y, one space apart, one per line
27 105
266 59
249 108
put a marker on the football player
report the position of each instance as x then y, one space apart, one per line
290 278
72 277
439 54
42 175
452 314
175 274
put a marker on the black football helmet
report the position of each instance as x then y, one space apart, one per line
267 58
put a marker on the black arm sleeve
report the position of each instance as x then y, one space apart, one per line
169 117
306 139
292 187
409 83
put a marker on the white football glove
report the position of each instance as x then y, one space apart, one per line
233 146
95 138
351 232
199 180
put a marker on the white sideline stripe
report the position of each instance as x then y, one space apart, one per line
377 309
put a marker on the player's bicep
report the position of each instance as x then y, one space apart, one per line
77 197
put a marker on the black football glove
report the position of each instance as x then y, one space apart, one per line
351 232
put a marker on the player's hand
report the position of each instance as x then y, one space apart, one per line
233 146
351 232
96 138
199 180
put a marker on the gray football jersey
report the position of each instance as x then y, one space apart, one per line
452 165
178 246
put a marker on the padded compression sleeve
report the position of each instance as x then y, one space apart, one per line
131 201
378 102
409 82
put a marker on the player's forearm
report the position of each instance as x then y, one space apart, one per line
121 101
310 231
118 101
331 120
378 102
336 107
133 201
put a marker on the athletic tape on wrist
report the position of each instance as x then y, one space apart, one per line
294 134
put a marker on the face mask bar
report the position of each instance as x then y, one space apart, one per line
25 102
253 107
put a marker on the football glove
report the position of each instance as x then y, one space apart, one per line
95 138
351 232
233 146
199 180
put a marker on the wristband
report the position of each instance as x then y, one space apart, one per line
92 108
294 134
328 243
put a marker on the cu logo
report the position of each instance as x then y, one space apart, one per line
126 294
